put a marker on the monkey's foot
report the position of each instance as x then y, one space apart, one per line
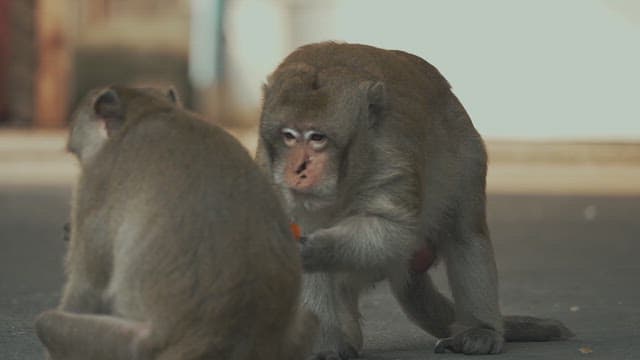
345 352
472 341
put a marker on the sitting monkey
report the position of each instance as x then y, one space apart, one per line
380 166
178 247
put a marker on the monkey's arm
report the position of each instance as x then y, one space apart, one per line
88 266
381 229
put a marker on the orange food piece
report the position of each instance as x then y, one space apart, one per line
295 229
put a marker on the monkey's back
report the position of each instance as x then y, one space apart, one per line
195 214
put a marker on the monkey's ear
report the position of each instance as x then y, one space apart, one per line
376 96
108 108
172 94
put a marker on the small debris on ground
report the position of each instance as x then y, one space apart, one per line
585 350
590 212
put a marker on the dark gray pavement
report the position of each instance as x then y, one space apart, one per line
567 257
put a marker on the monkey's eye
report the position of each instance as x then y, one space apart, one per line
317 137
290 136
317 140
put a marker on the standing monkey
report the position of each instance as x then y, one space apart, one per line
179 249
379 164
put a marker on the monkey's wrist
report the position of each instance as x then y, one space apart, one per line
313 253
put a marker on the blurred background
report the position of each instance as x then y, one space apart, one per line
553 86
544 81
541 69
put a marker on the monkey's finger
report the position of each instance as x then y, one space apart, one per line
67 230
442 345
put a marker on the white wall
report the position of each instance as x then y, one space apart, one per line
524 69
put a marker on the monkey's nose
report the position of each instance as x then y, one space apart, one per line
302 167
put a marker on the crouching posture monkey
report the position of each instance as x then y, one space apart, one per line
179 248
380 166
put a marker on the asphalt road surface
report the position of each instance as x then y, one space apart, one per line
570 258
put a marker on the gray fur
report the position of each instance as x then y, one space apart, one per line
407 171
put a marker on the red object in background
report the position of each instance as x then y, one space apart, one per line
4 58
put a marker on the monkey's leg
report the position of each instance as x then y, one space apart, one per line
472 274
435 314
80 337
422 302
81 296
340 335
349 288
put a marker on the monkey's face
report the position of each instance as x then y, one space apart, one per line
304 150
306 164
310 122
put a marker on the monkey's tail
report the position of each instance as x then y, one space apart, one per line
529 328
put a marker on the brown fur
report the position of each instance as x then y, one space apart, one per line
179 249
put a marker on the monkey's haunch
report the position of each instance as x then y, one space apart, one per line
422 260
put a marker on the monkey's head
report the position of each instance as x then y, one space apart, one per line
310 120
102 112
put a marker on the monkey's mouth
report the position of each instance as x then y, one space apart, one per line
301 185
307 175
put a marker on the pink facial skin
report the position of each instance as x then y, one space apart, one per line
304 168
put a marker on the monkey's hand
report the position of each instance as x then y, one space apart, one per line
315 253
66 231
